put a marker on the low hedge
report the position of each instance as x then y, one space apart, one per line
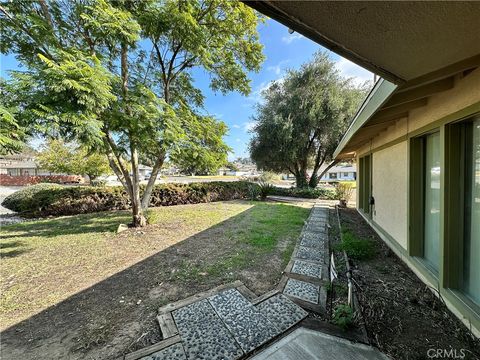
306 193
49 199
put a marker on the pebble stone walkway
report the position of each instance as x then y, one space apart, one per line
229 322
307 272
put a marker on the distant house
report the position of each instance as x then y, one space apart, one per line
242 170
345 172
20 165
22 169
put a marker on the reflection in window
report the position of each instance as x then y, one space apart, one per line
471 273
432 201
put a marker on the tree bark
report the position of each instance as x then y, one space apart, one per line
319 160
332 164
151 182
139 219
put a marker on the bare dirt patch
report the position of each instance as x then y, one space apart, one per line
403 317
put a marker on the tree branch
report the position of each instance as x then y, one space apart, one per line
41 48
151 182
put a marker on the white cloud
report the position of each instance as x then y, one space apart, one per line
249 125
277 69
291 38
352 70
236 126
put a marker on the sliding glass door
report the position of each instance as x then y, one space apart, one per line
431 207
471 256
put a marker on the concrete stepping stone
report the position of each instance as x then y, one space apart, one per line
307 269
247 325
203 333
309 253
316 242
281 311
302 290
309 235
227 301
250 328
173 352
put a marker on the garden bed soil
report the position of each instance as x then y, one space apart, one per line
403 317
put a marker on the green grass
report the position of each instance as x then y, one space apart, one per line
356 247
258 233
46 261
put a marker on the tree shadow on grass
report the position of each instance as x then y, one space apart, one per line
67 225
12 249
96 323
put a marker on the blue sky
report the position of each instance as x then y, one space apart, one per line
282 51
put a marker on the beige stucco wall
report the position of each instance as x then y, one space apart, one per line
466 92
389 179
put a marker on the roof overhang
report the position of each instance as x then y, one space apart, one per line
416 47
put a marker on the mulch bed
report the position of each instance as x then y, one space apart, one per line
403 317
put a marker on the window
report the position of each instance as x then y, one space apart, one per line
333 175
431 201
425 218
471 242
345 174
365 183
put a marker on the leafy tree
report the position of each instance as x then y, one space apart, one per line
12 133
232 166
303 119
116 76
207 153
59 157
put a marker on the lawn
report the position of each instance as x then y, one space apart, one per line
72 287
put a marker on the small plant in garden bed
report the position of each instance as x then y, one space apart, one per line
344 192
343 316
355 247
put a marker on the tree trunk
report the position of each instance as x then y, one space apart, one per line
151 182
139 219
301 178
332 164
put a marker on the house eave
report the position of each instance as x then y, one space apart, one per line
380 93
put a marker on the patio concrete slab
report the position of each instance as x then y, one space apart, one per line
305 344
302 290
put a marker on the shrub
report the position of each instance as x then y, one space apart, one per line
344 191
355 247
343 316
58 200
30 197
265 189
268 176
307 193
98 182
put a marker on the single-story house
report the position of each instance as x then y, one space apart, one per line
341 172
20 165
416 138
